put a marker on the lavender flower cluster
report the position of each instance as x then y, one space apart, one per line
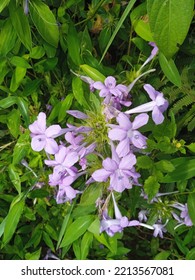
112 129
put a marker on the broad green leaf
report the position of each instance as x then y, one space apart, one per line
90 195
92 73
8 38
37 52
23 107
76 229
151 187
95 227
21 24
170 21
191 254
19 62
48 241
17 78
165 166
8 102
170 69
104 37
85 244
191 147
144 162
77 88
33 256
45 22
2 226
21 148
3 4
14 177
13 122
162 255
191 206
182 172
12 220
65 105
73 44
77 249
140 22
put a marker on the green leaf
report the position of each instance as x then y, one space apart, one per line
151 187
12 220
119 24
19 62
23 107
140 22
17 78
162 255
37 52
92 73
3 4
191 254
45 22
191 207
95 227
48 241
33 256
170 21
13 122
170 69
144 162
8 102
65 105
191 147
21 148
73 44
14 177
8 38
76 229
85 244
104 37
77 88
21 24
91 194
165 166
183 171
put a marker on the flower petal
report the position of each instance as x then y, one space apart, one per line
127 162
151 91
140 120
99 85
41 119
101 175
38 143
51 147
53 130
117 134
110 82
157 116
70 159
109 164
138 140
123 147
124 121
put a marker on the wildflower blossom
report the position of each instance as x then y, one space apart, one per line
112 226
126 132
158 105
118 170
42 137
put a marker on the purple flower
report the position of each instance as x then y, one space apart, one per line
184 218
118 170
152 55
142 215
26 6
112 226
42 137
126 132
66 192
158 105
158 228
77 114
63 165
110 88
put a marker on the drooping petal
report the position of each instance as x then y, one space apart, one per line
124 121
133 223
140 121
151 91
53 130
51 147
99 85
109 164
38 143
123 147
101 175
138 140
157 116
117 134
77 114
